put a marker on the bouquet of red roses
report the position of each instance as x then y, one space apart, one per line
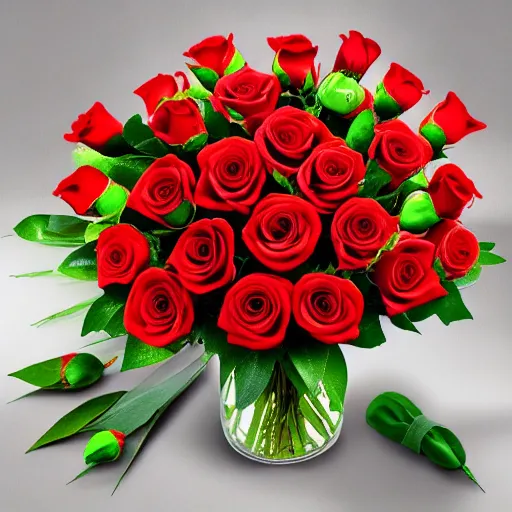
267 218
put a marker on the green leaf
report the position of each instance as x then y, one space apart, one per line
102 311
252 377
141 137
94 230
127 170
195 143
41 273
198 92
393 202
66 312
375 179
181 216
206 76
371 334
115 327
216 124
487 246
438 267
361 132
310 359
66 231
81 263
237 62
83 155
138 406
471 277
489 258
402 322
43 375
335 378
138 354
77 419
283 181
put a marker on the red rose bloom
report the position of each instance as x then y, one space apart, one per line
159 309
406 278
94 128
360 228
165 184
451 190
214 52
452 116
249 93
203 256
331 175
177 121
155 90
328 307
82 188
403 86
399 151
287 137
456 247
295 55
357 54
123 253
282 231
232 175
256 311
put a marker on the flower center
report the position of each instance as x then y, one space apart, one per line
116 256
161 303
203 250
233 168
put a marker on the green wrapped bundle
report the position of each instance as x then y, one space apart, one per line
397 418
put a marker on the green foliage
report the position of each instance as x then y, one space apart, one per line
128 169
141 137
335 377
403 322
206 76
56 230
310 359
195 143
375 179
361 132
45 374
138 354
393 201
66 312
182 216
489 258
283 181
81 263
216 124
471 277
103 310
94 230
371 334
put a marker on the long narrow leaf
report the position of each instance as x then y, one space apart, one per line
66 312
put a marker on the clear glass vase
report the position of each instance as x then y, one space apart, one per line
283 425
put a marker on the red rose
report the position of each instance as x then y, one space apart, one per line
360 228
404 87
215 53
248 93
456 247
82 188
122 253
399 151
452 116
159 309
295 55
155 90
282 231
331 175
328 307
287 137
232 175
166 183
406 278
94 128
356 55
451 190
177 121
256 311
203 256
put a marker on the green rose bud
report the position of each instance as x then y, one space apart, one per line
361 131
340 93
112 201
385 106
418 213
105 446
81 370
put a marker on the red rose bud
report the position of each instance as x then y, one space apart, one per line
451 191
123 252
256 311
80 370
203 256
282 231
88 189
361 227
232 175
166 185
399 151
342 94
215 56
406 277
155 90
287 137
356 55
328 307
399 91
247 95
159 309
294 63
449 122
456 247
104 446
177 121
94 128
331 175
418 213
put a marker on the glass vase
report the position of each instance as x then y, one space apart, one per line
284 425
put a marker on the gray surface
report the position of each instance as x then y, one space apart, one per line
56 59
